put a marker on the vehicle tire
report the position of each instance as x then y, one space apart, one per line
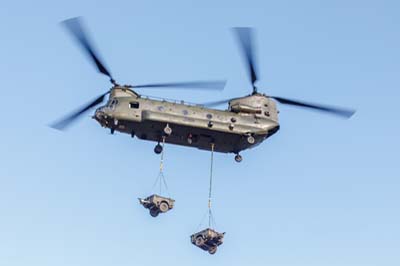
158 149
212 250
199 241
154 212
164 207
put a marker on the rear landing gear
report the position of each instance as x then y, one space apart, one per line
250 139
158 149
238 158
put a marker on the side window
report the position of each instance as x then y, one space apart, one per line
113 103
134 105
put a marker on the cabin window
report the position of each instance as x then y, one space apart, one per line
134 105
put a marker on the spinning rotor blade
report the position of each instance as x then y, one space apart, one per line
207 85
76 28
245 37
216 103
347 113
66 121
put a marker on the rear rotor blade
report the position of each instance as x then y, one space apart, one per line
347 113
76 28
245 37
203 85
216 103
66 121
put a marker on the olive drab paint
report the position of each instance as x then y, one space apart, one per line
246 123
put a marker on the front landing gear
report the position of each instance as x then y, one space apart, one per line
158 148
238 158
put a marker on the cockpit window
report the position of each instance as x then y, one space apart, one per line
134 105
113 103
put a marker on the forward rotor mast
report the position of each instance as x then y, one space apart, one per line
76 28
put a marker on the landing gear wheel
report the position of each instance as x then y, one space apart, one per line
164 206
158 149
250 139
154 212
238 158
167 130
199 241
112 131
212 250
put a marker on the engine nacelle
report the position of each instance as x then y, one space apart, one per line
258 104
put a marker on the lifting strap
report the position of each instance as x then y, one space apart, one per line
211 221
161 179
210 216
162 155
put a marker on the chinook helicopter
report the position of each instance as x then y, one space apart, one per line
247 122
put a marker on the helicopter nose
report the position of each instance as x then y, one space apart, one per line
102 116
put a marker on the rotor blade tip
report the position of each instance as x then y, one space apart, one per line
351 113
56 126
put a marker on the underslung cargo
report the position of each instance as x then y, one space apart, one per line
157 204
208 240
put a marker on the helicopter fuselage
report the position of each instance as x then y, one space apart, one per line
247 122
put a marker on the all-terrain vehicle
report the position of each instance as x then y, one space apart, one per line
157 204
208 240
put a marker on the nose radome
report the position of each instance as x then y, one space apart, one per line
99 114
102 115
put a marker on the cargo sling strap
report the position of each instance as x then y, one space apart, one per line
210 215
160 180
211 220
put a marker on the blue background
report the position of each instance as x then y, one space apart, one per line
323 191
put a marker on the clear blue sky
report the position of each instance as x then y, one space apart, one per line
323 191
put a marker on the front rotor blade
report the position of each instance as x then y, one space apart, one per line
76 28
201 85
347 113
66 121
245 37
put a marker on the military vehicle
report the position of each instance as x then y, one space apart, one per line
208 240
157 204
248 120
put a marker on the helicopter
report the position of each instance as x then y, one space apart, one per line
247 122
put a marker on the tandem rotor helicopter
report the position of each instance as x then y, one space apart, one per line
248 120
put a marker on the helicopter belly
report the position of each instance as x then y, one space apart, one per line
193 132
200 138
